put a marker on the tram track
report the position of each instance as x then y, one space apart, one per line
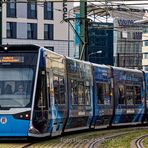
97 141
88 141
84 139
139 141
100 140
27 145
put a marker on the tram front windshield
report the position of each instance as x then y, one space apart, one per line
15 87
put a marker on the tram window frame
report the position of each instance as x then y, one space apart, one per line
129 94
87 93
57 95
74 92
62 92
77 92
138 98
105 93
48 88
81 100
121 92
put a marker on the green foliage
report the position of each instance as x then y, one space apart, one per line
124 141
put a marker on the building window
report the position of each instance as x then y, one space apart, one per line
146 43
11 8
48 31
145 68
48 10
32 31
31 10
145 55
145 29
11 29
49 48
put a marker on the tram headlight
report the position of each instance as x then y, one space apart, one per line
33 130
24 115
5 48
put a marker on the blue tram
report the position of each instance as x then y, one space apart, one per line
43 93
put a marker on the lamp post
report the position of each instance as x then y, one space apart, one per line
92 53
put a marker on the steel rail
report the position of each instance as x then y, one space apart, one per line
139 141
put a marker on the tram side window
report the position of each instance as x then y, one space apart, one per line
74 92
56 89
62 90
59 90
81 93
87 93
121 92
48 88
103 93
130 95
138 95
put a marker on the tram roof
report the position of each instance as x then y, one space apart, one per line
127 69
101 65
80 61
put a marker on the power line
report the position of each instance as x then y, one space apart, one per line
67 1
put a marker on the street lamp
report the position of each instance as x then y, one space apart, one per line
97 52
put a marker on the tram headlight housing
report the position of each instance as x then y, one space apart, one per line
23 115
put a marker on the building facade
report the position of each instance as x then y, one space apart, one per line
37 23
100 43
127 44
145 45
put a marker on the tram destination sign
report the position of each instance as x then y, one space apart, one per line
11 59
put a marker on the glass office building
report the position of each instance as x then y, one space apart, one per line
100 43
127 44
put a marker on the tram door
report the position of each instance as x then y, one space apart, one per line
57 90
40 113
146 97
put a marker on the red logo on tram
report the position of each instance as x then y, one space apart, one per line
3 120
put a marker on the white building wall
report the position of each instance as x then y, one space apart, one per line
40 22
144 52
60 42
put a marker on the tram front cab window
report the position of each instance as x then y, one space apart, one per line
15 87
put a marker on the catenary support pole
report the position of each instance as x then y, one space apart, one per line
83 30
